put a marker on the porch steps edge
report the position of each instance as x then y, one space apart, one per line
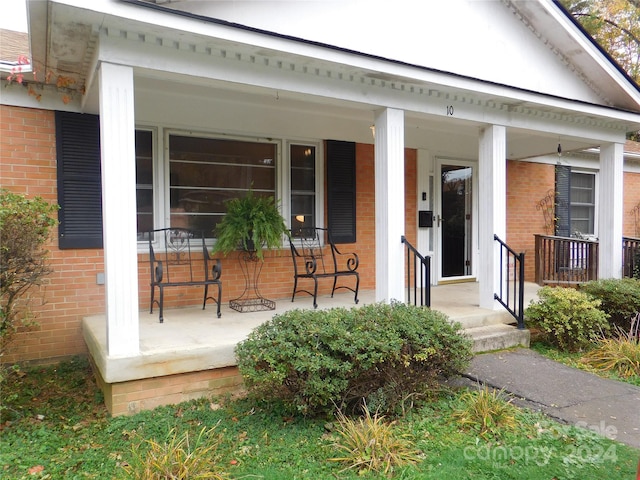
497 337
483 318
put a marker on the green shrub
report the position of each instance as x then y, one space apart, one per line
569 319
25 224
314 360
620 298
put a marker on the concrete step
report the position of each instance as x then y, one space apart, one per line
483 317
497 337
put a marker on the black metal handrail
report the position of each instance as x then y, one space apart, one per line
630 257
421 270
511 297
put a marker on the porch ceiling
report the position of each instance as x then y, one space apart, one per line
350 120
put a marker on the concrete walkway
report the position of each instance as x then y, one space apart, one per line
567 394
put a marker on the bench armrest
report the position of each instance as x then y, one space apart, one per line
310 264
349 260
216 266
157 273
216 269
306 257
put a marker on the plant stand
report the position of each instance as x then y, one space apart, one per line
251 300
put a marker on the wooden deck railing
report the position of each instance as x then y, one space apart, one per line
630 257
565 261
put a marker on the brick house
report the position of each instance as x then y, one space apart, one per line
440 110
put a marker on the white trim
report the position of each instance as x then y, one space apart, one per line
437 230
596 191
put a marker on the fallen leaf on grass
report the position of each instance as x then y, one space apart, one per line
36 469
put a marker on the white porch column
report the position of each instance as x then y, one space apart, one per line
389 174
492 194
117 144
610 211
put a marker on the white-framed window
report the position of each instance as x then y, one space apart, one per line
582 200
187 186
144 182
303 185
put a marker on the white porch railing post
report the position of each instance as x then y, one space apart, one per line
492 190
117 144
610 211
389 184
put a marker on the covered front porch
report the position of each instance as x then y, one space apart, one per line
191 354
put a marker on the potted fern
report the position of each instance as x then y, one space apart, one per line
252 223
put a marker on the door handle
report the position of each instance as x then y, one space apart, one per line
440 219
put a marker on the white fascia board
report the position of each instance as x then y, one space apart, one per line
588 46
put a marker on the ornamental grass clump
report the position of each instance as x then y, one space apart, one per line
620 354
179 458
314 360
569 319
370 444
486 411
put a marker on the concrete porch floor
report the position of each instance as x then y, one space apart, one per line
194 340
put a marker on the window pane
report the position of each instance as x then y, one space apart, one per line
582 203
144 182
204 172
303 186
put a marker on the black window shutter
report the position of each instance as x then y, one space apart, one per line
341 190
79 180
563 201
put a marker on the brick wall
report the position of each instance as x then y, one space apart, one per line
527 184
28 166
631 227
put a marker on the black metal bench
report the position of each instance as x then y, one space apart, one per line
308 254
181 260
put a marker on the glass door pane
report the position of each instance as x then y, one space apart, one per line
455 224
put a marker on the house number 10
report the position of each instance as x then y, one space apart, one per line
450 110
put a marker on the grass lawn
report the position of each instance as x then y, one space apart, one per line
55 426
